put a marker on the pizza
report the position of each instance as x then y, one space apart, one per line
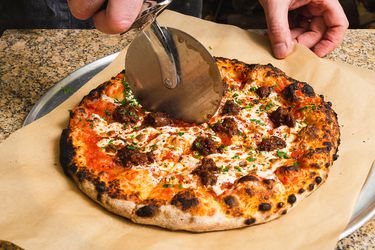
269 145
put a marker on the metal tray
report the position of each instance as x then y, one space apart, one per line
365 206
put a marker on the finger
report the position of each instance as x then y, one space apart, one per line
336 22
84 9
278 27
297 32
297 4
314 34
118 16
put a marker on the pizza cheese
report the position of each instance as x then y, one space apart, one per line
269 145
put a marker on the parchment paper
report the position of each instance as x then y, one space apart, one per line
41 208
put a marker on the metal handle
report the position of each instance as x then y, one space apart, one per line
149 11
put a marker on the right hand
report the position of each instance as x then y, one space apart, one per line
320 26
116 18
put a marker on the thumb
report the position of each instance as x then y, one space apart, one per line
278 27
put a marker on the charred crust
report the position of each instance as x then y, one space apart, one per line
289 92
83 174
249 192
292 199
96 93
268 183
271 143
147 211
230 201
100 188
335 157
185 200
288 169
67 153
249 221
247 178
308 90
318 180
264 207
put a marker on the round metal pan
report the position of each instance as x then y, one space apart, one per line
364 209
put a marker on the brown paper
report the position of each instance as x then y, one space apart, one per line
41 208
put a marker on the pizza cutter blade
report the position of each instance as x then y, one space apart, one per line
170 71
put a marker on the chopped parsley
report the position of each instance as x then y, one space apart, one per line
238 168
236 157
259 122
224 169
167 185
117 101
180 133
198 144
128 93
131 147
253 89
282 154
209 47
309 107
250 159
296 164
249 106
180 186
235 95
110 141
267 107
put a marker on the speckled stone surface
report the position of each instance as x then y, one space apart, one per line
32 61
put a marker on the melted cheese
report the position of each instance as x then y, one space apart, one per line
171 146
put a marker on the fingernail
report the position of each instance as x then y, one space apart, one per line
280 50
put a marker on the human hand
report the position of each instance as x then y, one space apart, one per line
118 16
318 24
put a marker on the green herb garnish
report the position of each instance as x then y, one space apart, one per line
282 154
131 147
180 133
250 159
257 121
238 168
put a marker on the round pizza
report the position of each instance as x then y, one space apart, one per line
269 145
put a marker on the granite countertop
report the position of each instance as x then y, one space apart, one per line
32 61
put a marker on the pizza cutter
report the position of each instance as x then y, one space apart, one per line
170 71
